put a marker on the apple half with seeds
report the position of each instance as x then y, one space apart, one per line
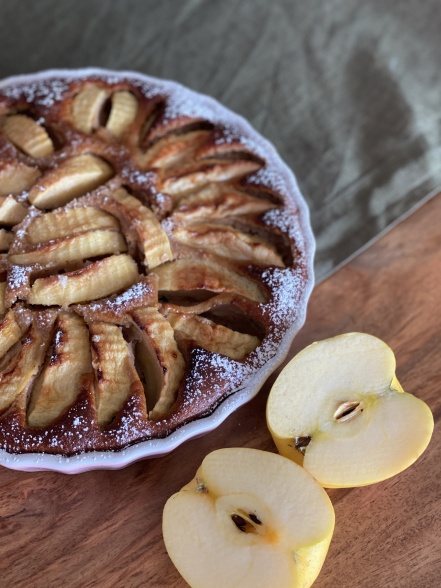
249 518
338 409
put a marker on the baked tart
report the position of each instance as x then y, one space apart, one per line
156 260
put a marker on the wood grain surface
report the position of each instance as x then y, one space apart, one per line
103 528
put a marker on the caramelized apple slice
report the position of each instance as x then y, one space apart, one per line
123 112
190 274
58 385
224 299
229 310
116 376
163 124
10 332
58 253
28 135
11 211
230 243
24 366
6 238
161 361
172 149
87 107
217 201
16 177
97 280
69 221
182 180
153 238
213 337
71 179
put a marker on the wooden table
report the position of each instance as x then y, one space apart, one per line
349 93
103 528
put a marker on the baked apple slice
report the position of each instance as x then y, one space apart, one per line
201 274
58 253
184 179
28 135
213 337
116 377
217 201
23 367
172 149
11 211
57 387
69 221
159 358
72 178
142 225
123 111
97 280
10 332
229 242
16 177
87 106
338 409
248 518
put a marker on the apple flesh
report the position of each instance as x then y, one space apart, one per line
249 518
338 409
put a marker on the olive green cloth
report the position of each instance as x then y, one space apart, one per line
349 92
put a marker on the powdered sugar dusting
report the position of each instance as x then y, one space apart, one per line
136 292
137 295
182 104
138 178
287 288
270 178
62 279
223 372
18 276
287 222
42 93
230 134
213 378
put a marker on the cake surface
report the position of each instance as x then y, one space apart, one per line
156 259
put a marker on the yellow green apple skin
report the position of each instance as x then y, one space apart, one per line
338 409
249 519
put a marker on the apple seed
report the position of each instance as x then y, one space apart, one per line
240 522
246 522
348 410
254 518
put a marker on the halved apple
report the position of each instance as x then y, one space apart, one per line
338 409
248 518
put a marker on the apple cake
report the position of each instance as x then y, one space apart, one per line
155 255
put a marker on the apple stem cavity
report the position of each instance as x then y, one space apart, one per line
201 487
301 443
348 410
